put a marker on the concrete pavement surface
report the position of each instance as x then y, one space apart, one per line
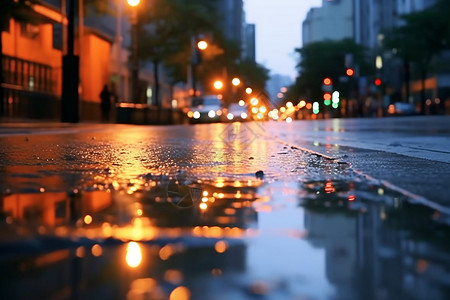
412 153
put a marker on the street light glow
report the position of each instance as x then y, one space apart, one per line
248 91
202 45
236 81
218 84
133 2
379 62
254 101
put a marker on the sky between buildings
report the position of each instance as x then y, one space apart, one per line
278 31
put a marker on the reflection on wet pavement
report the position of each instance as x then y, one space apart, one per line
223 239
219 212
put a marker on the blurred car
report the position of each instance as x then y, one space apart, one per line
205 109
237 113
402 109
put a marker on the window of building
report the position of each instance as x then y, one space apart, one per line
57 36
28 30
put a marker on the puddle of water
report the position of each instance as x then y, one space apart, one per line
165 238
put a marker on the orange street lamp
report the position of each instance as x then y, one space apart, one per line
236 81
218 84
248 91
133 3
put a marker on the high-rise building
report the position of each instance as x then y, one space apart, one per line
361 20
232 19
250 42
334 21
235 28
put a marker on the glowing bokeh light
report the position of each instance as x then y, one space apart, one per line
133 256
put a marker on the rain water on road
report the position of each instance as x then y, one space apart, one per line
207 213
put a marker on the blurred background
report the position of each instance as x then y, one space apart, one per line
354 58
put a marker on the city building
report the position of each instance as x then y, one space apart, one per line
334 21
32 62
250 42
33 53
232 20
361 20
364 21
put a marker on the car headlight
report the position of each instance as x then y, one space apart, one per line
196 115
230 116
211 114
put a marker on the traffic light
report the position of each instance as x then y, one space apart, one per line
335 99
315 108
377 81
327 81
327 85
327 98
350 72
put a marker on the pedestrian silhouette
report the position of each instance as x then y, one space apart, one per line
105 104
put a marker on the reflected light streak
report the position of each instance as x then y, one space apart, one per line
134 255
166 252
144 287
180 293
421 266
329 188
80 252
217 232
97 250
221 246
173 276
216 272
87 219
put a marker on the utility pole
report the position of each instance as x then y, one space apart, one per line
70 73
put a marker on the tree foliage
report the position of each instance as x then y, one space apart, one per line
168 30
325 59
422 37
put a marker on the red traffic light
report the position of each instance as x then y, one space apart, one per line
327 96
350 72
377 81
327 81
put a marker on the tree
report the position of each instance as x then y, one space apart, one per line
168 26
442 10
253 74
325 59
422 38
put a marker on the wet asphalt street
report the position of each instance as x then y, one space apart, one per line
330 209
